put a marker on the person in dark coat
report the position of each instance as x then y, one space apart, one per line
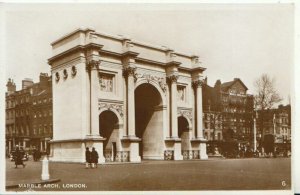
94 157
34 154
19 158
88 157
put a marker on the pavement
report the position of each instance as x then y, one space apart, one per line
213 174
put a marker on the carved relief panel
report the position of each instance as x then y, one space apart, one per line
181 93
106 82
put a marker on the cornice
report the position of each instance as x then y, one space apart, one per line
73 50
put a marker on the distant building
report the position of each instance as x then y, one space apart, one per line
276 122
29 114
228 111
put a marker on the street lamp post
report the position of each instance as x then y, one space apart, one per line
254 132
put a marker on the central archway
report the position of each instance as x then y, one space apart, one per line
149 121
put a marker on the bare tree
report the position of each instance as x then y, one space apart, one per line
266 97
266 94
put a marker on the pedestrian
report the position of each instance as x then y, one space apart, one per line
94 158
34 154
19 158
88 156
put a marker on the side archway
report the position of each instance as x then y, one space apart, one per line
184 128
109 128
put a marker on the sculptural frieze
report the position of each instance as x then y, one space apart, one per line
111 106
161 81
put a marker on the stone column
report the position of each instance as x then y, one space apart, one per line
41 148
94 101
199 118
174 121
199 110
93 67
94 134
172 78
130 101
130 138
24 143
45 146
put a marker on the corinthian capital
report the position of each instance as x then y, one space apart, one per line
197 83
129 71
172 78
92 64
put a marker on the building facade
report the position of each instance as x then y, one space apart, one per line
21 116
275 122
228 112
130 100
41 113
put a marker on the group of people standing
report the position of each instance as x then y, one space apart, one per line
91 158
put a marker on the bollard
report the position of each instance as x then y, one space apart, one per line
45 169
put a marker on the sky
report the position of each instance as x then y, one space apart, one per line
233 41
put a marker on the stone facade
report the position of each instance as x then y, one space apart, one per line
130 100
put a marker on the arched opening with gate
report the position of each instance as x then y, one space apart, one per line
183 133
109 129
149 121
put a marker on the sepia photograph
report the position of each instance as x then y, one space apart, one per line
148 97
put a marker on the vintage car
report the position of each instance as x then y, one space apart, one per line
13 153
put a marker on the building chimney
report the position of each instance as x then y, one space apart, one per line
44 78
218 83
26 83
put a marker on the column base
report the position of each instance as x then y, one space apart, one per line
132 144
200 143
203 154
60 149
177 151
174 144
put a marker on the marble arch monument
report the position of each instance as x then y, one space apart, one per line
130 100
